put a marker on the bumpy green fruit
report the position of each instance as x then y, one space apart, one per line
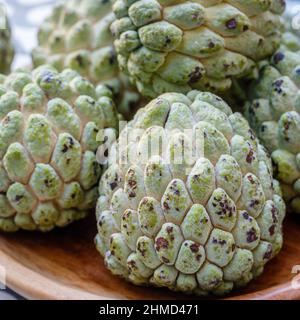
49 135
201 223
6 48
274 113
77 36
176 45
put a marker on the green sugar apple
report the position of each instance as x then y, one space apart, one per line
204 223
50 129
77 36
176 45
273 111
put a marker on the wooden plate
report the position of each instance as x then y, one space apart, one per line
65 265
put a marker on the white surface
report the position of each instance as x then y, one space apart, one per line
25 17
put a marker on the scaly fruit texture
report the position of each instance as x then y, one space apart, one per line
77 36
50 127
203 225
176 45
274 113
6 47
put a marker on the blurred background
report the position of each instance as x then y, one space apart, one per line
27 15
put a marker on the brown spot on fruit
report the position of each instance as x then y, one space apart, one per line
250 156
166 206
161 243
251 235
169 230
272 230
268 253
195 76
165 260
231 24
194 247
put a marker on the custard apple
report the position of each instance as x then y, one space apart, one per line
201 216
51 127
77 36
176 45
6 47
274 112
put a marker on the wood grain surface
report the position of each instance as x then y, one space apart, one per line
65 265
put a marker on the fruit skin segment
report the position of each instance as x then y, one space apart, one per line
77 35
273 111
50 123
176 46
6 47
205 223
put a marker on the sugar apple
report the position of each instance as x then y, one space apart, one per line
176 45
50 130
201 223
77 36
274 112
6 47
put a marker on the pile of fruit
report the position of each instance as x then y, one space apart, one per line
192 192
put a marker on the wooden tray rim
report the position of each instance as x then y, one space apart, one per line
33 285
